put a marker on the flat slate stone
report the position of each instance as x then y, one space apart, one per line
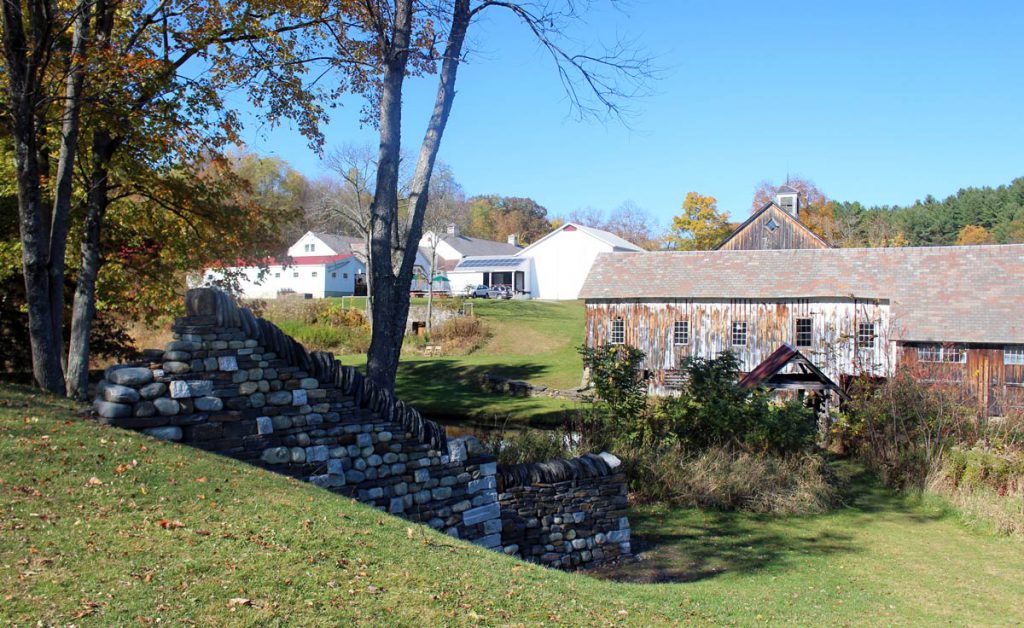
184 389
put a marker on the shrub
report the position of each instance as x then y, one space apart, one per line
713 410
460 335
724 478
902 427
515 447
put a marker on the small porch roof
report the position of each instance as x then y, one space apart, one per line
808 376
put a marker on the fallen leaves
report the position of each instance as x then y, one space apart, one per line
94 481
168 524
239 601
124 468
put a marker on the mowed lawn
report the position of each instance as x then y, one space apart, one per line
100 526
536 341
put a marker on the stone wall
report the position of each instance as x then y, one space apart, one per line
237 385
565 513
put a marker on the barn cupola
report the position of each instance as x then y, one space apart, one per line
788 199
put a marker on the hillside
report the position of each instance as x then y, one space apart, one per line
101 526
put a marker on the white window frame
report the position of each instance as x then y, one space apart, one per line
681 333
739 329
1013 355
617 332
313 274
941 354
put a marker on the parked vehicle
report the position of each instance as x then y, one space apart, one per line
500 292
477 292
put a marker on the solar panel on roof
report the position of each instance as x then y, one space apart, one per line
494 262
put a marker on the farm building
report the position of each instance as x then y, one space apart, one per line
775 226
447 250
553 267
318 264
954 312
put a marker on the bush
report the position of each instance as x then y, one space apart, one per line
713 410
460 335
723 478
515 447
902 427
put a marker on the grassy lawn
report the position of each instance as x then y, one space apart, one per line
100 526
534 341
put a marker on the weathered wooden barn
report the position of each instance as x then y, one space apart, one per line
775 226
955 313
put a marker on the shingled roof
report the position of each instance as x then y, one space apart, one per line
972 294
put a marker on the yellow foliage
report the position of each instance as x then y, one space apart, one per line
975 234
701 226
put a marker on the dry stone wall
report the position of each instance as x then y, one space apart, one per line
235 384
565 513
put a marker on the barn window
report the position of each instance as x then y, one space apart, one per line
1013 354
940 353
334 275
617 335
739 334
804 332
681 333
865 334
771 225
344 276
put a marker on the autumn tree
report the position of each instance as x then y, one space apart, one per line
495 217
701 226
974 234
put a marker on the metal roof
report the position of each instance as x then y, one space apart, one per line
467 246
940 294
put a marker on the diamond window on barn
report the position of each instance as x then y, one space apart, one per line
739 334
1013 354
804 332
617 334
865 334
681 333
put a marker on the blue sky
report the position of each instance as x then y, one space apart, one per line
881 102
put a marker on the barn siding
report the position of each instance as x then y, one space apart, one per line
649 325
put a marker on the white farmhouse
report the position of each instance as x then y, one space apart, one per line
553 267
452 247
318 264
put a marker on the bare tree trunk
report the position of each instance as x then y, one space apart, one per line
65 173
430 287
84 307
22 71
384 353
382 362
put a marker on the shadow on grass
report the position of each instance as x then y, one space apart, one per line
689 544
718 543
449 392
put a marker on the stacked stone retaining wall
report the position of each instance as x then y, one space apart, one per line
235 384
565 513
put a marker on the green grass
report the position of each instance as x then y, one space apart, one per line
100 526
534 341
